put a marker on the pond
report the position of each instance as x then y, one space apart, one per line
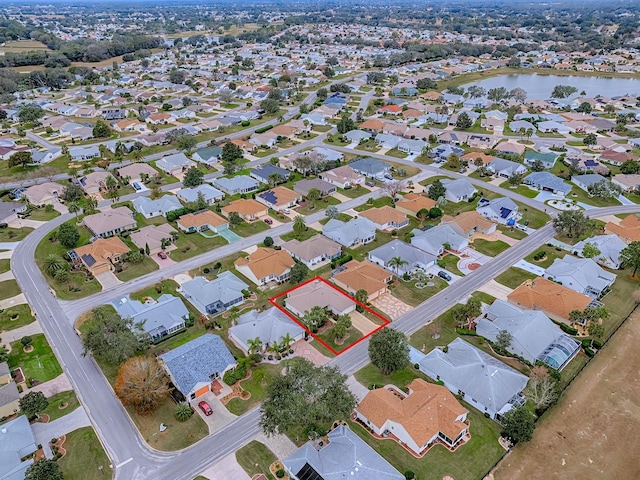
539 87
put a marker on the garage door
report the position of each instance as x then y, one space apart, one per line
202 391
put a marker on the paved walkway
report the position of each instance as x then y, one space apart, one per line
13 301
529 267
496 290
607 218
52 387
6 254
44 432
25 222
8 245
280 445
391 306
16 334
359 390
226 469
6 276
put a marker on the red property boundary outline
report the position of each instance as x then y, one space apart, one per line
273 301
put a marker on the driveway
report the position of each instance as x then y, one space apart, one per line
16 334
470 260
496 290
52 387
108 280
529 267
44 432
226 469
359 390
391 306
25 222
362 323
13 301
304 350
162 263
220 418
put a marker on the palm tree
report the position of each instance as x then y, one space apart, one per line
234 314
255 345
156 192
314 194
287 340
91 204
362 296
54 263
397 262
74 207
136 155
332 211
299 225
274 179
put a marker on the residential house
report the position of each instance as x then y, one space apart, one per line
194 366
94 182
318 293
628 182
547 159
304 186
609 247
510 148
101 255
237 185
159 207
271 326
43 194
466 224
209 155
355 232
502 210
480 379
279 198
78 154
386 218
459 190
202 221
628 229
136 172
343 455
313 252
263 173
453 138
412 203
434 240
585 181
17 444
357 136
9 395
555 300
153 236
158 319
387 141
342 177
355 275
506 168
212 297
427 415
210 194
175 164
411 147
110 222
413 258
248 209
370 167
587 164
533 336
582 275
482 142
9 211
265 265
547 182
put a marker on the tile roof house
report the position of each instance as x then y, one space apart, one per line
174 164
304 186
248 209
412 203
136 172
279 198
158 318
548 182
43 193
458 190
363 276
483 381
195 365
555 300
318 293
345 455
211 195
547 159
214 296
628 229
94 182
533 336
202 221
270 326
427 415
468 223
357 231
234 185
314 251
265 265
370 167
628 182
101 255
434 239
342 177
152 236
415 258
386 218
582 275
17 442
502 210
110 222
609 246
155 208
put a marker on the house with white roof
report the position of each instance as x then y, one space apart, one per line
159 207
433 240
581 275
158 319
210 194
609 247
415 258
212 297
357 231
270 326
458 190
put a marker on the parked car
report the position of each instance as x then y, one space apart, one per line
462 170
286 211
137 186
445 275
370 183
522 227
268 221
206 409
162 255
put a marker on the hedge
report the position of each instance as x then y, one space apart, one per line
263 129
567 329
341 260
464 331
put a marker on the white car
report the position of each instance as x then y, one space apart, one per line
286 211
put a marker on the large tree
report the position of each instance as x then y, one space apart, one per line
630 257
33 403
44 469
193 177
20 159
519 424
72 193
30 114
101 129
464 121
306 397
436 190
571 222
230 152
68 235
542 391
298 273
141 383
389 350
186 142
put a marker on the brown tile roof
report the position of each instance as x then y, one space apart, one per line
471 156
200 219
283 195
427 410
363 275
109 220
469 221
265 261
385 214
628 229
375 125
244 206
414 202
543 294
101 250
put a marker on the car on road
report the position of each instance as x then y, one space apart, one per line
462 170
206 409
268 221
162 255
370 183
445 275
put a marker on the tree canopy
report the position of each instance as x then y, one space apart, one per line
193 177
519 424
389 350
142 383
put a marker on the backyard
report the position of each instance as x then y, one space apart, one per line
39 364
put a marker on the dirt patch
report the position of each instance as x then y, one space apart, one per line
588 434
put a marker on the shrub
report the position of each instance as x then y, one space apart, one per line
589 352
409 475
217 266
264 129
568 329
597 344
280 473
464 331
26 341
206 270
539 255
416 366
586 342
245 123
183 412
230 378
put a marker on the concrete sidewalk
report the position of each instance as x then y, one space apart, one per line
13 301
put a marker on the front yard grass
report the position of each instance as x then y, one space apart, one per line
353 192
512 232
245 229
8 289
25 317
14 234
58 399
620 299
307 234
261 377
39 364
255 458
84 456
42 215
411 295
191 244
376 203
521 189
318 205
489 248
135 270
351 337
580 195
5 265
513 277
450 263
551 253
536 218
370 375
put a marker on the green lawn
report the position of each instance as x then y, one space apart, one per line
25 317
484 297
454 209
521 189
580 195
551 254
490 248
375 203
261 376
536 218
245 229
512 232
84 457
513 277
620 300
308 233
8 289
450 262
191 244
54 411
409 294
14 234
255 458
135 270
394 152
321 204
5 265
353 192
41 214
40 364
352 336
370 375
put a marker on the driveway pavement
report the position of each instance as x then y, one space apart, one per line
8 245
303 349
220 418
44 432
496 290
226 469
280 445
6 276
362 323
52 387
25 222
162 262
391 306
10 336
530 267
13 301
359 390
108 280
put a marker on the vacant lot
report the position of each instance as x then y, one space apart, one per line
587 435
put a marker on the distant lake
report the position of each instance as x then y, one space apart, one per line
539 87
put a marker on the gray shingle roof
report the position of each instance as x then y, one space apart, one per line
16 441
369 166
226 288
547 180
411 254
167 312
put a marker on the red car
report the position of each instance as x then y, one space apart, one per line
268 221
206 409
162 255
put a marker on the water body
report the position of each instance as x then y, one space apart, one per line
539 87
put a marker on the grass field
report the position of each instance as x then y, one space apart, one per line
84 455
25 317
261 377
56 400
39 364
513 277
8 289
490 248
255 458
409 294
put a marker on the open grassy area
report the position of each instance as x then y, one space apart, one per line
84 456
321 204
450 262
54 411
192 244
512 232
353 192
484 297
513 277
580 195
370 375
489 248
551 253
255 458
39 364
308 233
261 376
246 229
469 462
411 295
375 203
135 270
14 234
620 300
351 337
5 265
42 215
521 189
8 289
24 317
536 218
